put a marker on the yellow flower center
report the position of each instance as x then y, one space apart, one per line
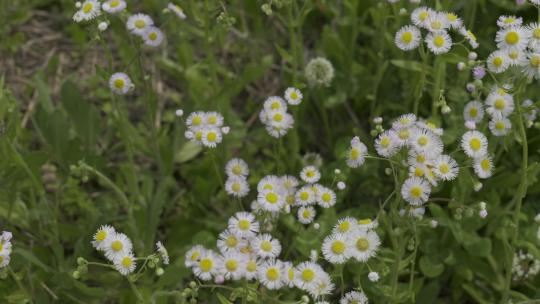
344 226
326 197
294 95
338 247
119 83
306 214
362 244
127 262
268 187
195 255
513 54
423 16
236 187
535 61
438 41
275 105
117 246
114 3
211 137
231 241
485 164
100 236
536 33
385 142
407 37
364 221
251 266
304 196
88 7
499 125
436 25
420 158
404 134
152 36
140 24
237 169
499 104
473 112
206 265
444 168
272 198
354 153
198 135
418 172
290 273
231 265
212 120
308 275
451 17
475 144
244 224
497 61
416 191
272 274
197 120
423 140
512 38
266 246
278 117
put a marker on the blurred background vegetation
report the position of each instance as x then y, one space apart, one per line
56 110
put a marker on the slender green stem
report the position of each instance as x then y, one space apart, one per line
413 262
21 287
520 194
135 290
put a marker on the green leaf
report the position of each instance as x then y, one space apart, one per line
188 151
222 299
31 258
429 268
408 65
480 247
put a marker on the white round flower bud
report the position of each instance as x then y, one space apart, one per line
469 124
446 109
472 56
377 120
537 218
403 11
483 213
477 186
102 26
225 129
434 224
179 112
461 66
482 205
313 256
373 276
341 185
219 279
316 226
337 171
78 4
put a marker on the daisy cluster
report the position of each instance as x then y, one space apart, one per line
276 194
237 172
5 248
351 238
518 45
143 26
246 253
116 247
206 128
274 113
524 266
427 164
437 24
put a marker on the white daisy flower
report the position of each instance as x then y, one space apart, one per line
386 144
426 142
237 186
326 197
508 21
513 38
531 65
177 10
429 126
289 183
101 235
483 166
117 245
228 241
243 224
373 276
499 125
356 153
322 286
271 200
138 23
237 167
163 253
125 264
152 36
471 38
364 244
266 246
307 274
534 33
269 182
454 21
193 255
209 264
214 119
271 274
516 57
306 214
367 224
305 196
345 225
289 274
418 157
408 38
293 96
437 22
211 137
278 131
114 6
499 102
120 83
420 16
273 103
439 42
404 121
251 268
336 248
498 62
196 119
473 111
231 266
4 259
310 174
446 168
474 143
90 9
354 297
415 191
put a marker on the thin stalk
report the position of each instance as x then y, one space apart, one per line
21 287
